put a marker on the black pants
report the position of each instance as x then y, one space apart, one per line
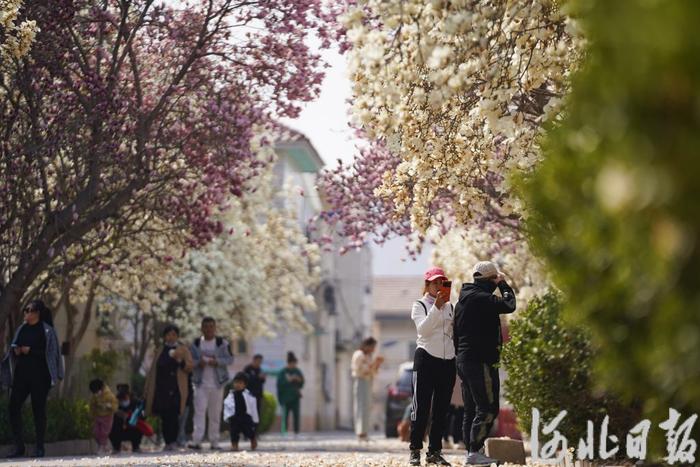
480 391
238 425
122 431
35 383
169 420
433 381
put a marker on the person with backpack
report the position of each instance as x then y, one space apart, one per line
433 367
212 356
478 341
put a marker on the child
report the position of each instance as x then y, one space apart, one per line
103 405
241 412
122 429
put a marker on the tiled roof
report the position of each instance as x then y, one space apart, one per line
394 295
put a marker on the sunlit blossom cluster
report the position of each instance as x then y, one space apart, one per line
458 94
17 35
258 277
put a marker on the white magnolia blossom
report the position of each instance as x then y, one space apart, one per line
460 90
17 37
257 278
458 250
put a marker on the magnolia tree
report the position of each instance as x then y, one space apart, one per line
128 108
457 94
132 267
257 278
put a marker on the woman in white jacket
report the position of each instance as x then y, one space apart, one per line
433 368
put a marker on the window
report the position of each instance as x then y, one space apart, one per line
241 346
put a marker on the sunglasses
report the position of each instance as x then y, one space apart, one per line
29 310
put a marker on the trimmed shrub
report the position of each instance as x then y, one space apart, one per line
269 408
66 420
613 207
549 368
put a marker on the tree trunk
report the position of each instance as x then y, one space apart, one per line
74 337
10 302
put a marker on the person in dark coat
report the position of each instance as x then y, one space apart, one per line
478 341
256 379
32 366
166 384
121 429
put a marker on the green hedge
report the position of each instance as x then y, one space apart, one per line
66 420
549 367
269 409
613 207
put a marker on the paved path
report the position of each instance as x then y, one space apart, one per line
312 450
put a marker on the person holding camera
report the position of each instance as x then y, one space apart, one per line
433 367
477 332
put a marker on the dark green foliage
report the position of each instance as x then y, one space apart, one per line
615 208
66 420
549 368
103 364
269 408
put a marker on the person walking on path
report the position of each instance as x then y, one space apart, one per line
364 367
211 355
256 379
290 380
30 368
103 406
478 342
166 384
241 412
433 367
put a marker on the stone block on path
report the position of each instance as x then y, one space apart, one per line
506 450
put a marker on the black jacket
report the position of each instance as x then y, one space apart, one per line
477 332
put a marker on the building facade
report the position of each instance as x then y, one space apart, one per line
343 315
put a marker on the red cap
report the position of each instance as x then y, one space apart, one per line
434 273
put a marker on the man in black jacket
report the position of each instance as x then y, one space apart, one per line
478 340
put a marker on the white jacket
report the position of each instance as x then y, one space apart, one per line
435 327
251 406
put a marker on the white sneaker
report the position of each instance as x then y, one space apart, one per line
477 458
